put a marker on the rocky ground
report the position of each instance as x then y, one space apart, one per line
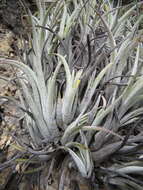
11 33
9 119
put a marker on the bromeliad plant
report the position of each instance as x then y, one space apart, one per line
82 84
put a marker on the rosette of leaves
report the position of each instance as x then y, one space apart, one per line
81 87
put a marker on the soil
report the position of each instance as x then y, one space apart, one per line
11 30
